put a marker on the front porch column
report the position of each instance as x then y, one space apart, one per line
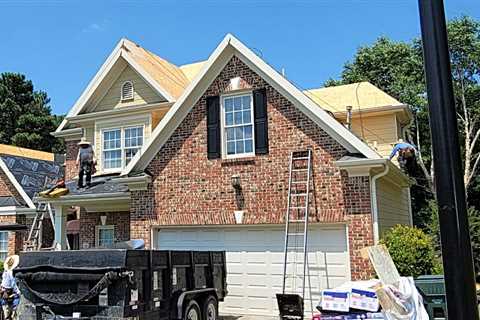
61 213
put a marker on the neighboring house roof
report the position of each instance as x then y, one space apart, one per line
362 95
27 153
221 55
29 172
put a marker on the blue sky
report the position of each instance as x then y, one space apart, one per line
61 44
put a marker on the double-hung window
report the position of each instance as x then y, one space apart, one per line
120 145
237 122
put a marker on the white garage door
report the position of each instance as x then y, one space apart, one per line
255 262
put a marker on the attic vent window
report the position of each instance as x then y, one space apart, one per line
127 91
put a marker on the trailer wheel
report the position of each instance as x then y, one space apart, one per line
192 311
210 308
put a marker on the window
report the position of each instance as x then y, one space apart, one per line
127 91
120 145
133 142
105 236
3 245
237 121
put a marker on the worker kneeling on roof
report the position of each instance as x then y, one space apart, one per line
85 162
406 156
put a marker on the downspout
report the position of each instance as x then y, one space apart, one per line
374 205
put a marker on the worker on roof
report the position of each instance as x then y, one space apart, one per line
85 162
406 156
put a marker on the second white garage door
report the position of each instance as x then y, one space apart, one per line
255 261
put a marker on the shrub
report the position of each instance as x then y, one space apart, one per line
412 250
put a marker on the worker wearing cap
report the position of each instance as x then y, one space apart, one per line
406 155
85 162
10 293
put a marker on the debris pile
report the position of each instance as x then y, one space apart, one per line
390 297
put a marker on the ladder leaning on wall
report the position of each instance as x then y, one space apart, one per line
296 225
34 239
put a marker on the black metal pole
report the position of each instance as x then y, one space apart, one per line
455 236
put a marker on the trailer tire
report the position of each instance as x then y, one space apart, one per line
192 311
210 308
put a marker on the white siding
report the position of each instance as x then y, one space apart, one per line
142 92
393 205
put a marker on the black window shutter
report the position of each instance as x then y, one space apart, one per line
213 127
261 121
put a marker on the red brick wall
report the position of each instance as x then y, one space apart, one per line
88 221
7 189
189 189
70 159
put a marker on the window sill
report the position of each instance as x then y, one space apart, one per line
240 160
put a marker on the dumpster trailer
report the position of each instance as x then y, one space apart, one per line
121 284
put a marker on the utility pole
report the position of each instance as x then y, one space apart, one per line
452 208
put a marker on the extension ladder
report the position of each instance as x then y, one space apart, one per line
34 241
296 221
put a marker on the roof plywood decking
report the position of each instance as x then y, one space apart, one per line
168 75
362 95
24 152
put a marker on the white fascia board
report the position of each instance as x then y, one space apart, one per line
174 116
147 77
74 132
184 104
93 84
335 129
87 198
116 54
17 186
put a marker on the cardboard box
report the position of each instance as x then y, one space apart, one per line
362 299
335 300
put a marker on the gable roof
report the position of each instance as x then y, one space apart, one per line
165 78
362 95
226 49
358 95
15 183
29 171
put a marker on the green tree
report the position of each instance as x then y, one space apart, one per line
397 68
412 250
25 115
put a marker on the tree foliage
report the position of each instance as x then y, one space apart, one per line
26 119
412 250
397 68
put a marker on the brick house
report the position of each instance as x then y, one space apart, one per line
23 173
169 140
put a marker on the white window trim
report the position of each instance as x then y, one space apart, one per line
223 135
122 145
97 232
122 97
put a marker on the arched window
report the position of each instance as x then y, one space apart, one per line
127 91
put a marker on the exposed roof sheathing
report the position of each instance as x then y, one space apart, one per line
361 94
33 175
27 153
192 69
169 76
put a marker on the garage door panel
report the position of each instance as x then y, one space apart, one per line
255 262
